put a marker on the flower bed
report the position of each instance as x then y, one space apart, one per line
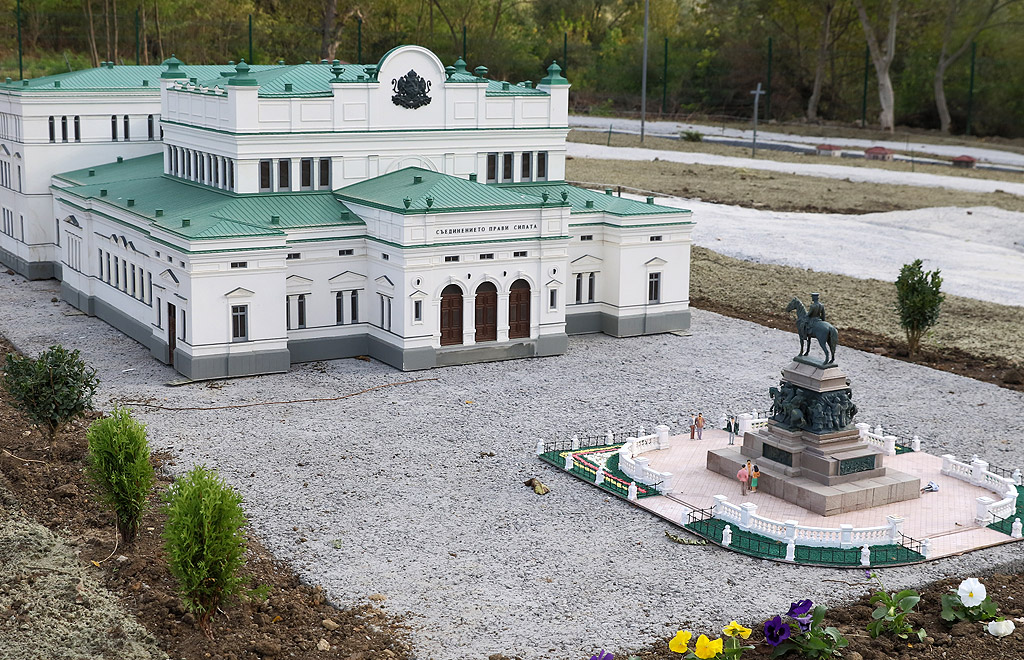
586 462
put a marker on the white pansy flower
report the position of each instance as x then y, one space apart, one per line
971 592
1000 628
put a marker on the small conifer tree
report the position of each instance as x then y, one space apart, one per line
118 464
918 300
54 388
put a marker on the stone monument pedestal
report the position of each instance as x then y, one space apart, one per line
809 453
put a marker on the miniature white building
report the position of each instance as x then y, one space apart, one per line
407 211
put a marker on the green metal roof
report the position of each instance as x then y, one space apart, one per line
601 202
121 77
212 213
444 192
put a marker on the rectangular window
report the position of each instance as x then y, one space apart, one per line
655 238
451 259
284 169
100 271
587 237
506 166
654 287
325 174
339 307
592 287
306 173
492 168
294 255
149 287
553 299
182 325
117 270
579 288
417 310
132 286
231 173
107 278
355 307
542 166
239 322
239 264
384 256
385 312
127 129
78 129
113 127
159 302
302 310
346 253
152 125
265 183
53 130
488 255
288 312
519 254
64 129
527 166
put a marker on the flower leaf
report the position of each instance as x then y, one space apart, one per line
907 603
880 612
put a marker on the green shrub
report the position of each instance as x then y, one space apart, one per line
204 539
118 464
692 136
54 388
917 302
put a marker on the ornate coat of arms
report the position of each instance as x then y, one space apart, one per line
410 91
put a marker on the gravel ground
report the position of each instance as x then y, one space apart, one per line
394 491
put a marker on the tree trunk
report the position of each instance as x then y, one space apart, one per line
945 122
106 29
329 14
142 34
882 59
94 54
156 24
819 70
113 10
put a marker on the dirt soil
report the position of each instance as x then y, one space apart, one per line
65 592
775 191
973 338
962 641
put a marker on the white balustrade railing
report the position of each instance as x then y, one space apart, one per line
744 516
877 438
977 473
636 466
751 421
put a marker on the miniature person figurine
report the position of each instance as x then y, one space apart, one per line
754 476
700 426
750 473
693 425
742 476
730 426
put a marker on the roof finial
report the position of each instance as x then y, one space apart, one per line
173 71
337 70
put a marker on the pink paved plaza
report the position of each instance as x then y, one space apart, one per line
946 517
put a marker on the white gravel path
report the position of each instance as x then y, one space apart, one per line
396 480
673 129
979 250
844 172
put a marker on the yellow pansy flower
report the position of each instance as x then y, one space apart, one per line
680 642
734 629
707 649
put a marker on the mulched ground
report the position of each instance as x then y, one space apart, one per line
962 641
290 623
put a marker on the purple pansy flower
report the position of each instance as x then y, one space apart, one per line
800 608
775 631
603 655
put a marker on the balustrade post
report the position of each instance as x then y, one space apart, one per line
631 494
640 432
878 430
666 483
1015 529
791 551
568 462
845 536
895 528
641 468
684 519
791 530
575 442
947 463
926 548
662 431
609 437
599 476
747 511
717 507
745 422
978 468
1017 477
863 429
982 515
540 447
890 445
865 556
915 443
727 536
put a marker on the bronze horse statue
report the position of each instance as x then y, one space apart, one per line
808 328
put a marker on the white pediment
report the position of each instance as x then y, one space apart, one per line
587 260
348 277
72 220
554 282
239 293
655 262
384 283
418 295
169 276
299 284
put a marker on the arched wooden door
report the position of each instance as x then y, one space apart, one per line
451 315
519 310
487 312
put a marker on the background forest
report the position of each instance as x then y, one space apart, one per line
905 62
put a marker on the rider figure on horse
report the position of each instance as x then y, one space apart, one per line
817 309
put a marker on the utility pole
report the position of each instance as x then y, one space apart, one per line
643 75
757 100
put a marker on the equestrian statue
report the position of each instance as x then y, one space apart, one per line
812 324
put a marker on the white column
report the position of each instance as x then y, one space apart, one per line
502 319
275 179
469 319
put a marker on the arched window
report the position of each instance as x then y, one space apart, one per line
486 312
519 310
451 315
152 126
78 129
127 129
63 129
113 127
53 131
